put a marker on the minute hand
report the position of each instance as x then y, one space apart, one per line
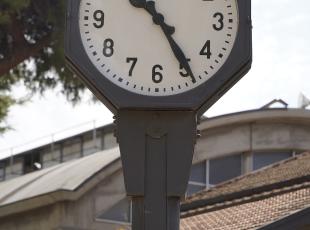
168 31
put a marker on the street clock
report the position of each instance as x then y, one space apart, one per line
159 54
158 65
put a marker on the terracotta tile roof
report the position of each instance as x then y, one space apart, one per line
251 215
295 168
253 200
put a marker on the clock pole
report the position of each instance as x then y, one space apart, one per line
157 149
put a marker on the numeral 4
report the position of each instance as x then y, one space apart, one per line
206 49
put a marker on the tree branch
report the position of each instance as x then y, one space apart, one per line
20 50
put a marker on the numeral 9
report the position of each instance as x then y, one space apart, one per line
99 18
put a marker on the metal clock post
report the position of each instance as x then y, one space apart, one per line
158 67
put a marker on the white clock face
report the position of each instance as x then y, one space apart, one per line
131 51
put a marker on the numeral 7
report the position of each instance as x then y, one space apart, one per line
133 62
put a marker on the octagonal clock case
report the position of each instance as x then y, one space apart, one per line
163 54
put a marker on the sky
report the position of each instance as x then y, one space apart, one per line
280 70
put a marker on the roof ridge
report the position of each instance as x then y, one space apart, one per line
243 193
29 182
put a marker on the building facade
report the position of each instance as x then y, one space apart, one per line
230 146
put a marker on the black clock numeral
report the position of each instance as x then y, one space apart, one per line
99 18
108 47
220 18
133 64
183 72
206 49
157 76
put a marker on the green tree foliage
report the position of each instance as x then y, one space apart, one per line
5 103
31 50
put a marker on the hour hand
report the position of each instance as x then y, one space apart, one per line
158 18
138 3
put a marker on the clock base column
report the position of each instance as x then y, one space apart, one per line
156 149
167 218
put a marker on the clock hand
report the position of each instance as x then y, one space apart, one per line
159 19
168 31
149 6
178 53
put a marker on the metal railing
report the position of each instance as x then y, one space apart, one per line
51 139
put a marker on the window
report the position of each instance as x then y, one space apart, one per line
197 181
2 171
212 172
32 162
119 213
91 143
191 189
263 159
72 149
225 168
109 140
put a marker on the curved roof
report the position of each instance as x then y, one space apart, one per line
299 116
254 131
55 183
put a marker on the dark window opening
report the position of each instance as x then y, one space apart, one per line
2 171
197 181
263 159
120 212
224 168
191 189
32 162
198 173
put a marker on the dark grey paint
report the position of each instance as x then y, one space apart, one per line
156 151
178 129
